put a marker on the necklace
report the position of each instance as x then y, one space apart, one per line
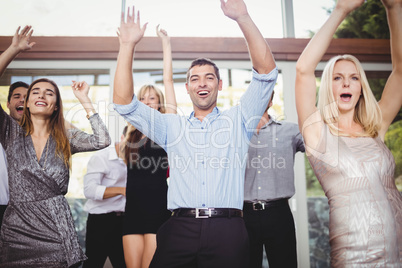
47 148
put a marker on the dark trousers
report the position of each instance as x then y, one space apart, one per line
104 239
2 210
203 243
273 228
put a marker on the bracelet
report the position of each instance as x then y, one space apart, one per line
90 113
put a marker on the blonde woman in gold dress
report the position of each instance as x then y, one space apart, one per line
344 139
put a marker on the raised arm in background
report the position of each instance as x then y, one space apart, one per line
81 90
170 96
391 99
260 53
82 141
306 65
19 43
130 34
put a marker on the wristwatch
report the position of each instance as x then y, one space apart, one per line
90 113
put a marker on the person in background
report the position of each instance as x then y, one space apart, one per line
105 189
38 228
146 206
344 138
268 186
206 185
15 104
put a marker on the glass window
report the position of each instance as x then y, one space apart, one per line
102 18
305 22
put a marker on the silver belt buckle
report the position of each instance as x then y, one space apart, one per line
197 213
259 203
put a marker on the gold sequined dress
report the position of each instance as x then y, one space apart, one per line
357 176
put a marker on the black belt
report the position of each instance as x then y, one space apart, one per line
207 212
114 213
262 205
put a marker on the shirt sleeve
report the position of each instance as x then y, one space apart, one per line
255 100
96 170
298 140
149 121
81 141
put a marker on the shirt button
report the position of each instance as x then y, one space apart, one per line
259 188
259 156
259 172
202 127
259 142
203 205
203 183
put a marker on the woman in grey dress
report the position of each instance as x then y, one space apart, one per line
38 228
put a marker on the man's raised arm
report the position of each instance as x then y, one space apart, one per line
260 53
20 43
130 34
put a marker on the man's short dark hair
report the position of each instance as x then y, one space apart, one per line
125 130
14 86
272 96
202 62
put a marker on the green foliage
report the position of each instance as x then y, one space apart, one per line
393 140
368 21
312 184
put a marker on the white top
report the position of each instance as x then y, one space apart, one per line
105 169
4 195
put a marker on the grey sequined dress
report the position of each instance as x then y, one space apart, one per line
38 228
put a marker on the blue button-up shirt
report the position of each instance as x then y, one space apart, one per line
207 158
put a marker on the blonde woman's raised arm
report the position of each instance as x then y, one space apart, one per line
305 78
391 99
171 104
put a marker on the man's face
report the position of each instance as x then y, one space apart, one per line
203 86
16 104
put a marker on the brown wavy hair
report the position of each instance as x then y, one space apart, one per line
133 141
56 125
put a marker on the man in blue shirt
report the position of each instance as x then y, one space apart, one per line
206 150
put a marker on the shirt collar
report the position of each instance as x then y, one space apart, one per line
210 116
272 120
112 153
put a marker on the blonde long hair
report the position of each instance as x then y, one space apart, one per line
132 140
367 111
